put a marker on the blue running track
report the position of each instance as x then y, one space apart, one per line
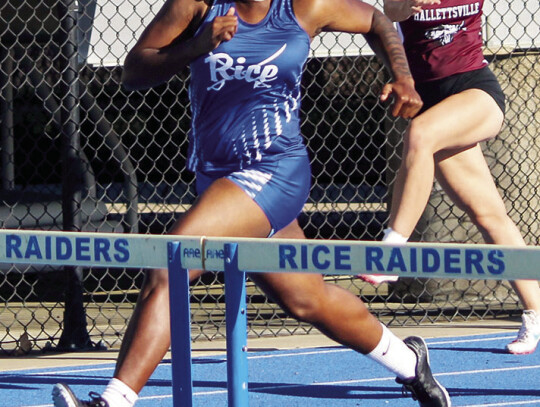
475 370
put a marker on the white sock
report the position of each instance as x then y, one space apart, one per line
391 236
392 353
119 394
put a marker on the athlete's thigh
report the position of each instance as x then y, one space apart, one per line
289 285
223 209
461 120
467 179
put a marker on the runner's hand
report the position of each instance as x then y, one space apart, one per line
221 29
406 102
417 5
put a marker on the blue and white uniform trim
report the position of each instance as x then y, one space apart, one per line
252 181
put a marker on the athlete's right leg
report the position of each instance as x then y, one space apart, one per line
456 123
224 209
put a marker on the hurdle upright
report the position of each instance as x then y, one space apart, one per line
236 324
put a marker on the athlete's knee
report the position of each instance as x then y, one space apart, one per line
489 219
303 307
419 139
155 281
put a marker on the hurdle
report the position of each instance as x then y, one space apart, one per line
238 256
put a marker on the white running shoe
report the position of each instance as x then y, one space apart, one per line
63 396
528 335
377 279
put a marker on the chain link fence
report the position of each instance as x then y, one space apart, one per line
78 152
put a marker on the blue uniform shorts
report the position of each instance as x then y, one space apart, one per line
279 184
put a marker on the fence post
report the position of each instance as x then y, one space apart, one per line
7 152
236 329
180 328
75 334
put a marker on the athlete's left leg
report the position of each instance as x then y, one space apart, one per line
343 317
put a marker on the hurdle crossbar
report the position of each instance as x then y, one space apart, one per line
237 256
332 257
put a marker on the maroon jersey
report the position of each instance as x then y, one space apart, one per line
444 39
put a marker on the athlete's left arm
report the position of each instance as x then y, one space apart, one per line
354 16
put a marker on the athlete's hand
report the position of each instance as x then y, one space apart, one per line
221 29
417 5
406 102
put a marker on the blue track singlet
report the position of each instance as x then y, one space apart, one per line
245 95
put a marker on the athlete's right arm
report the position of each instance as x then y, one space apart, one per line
163 49
400 10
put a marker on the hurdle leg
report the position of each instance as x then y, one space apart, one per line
236 329
182 384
